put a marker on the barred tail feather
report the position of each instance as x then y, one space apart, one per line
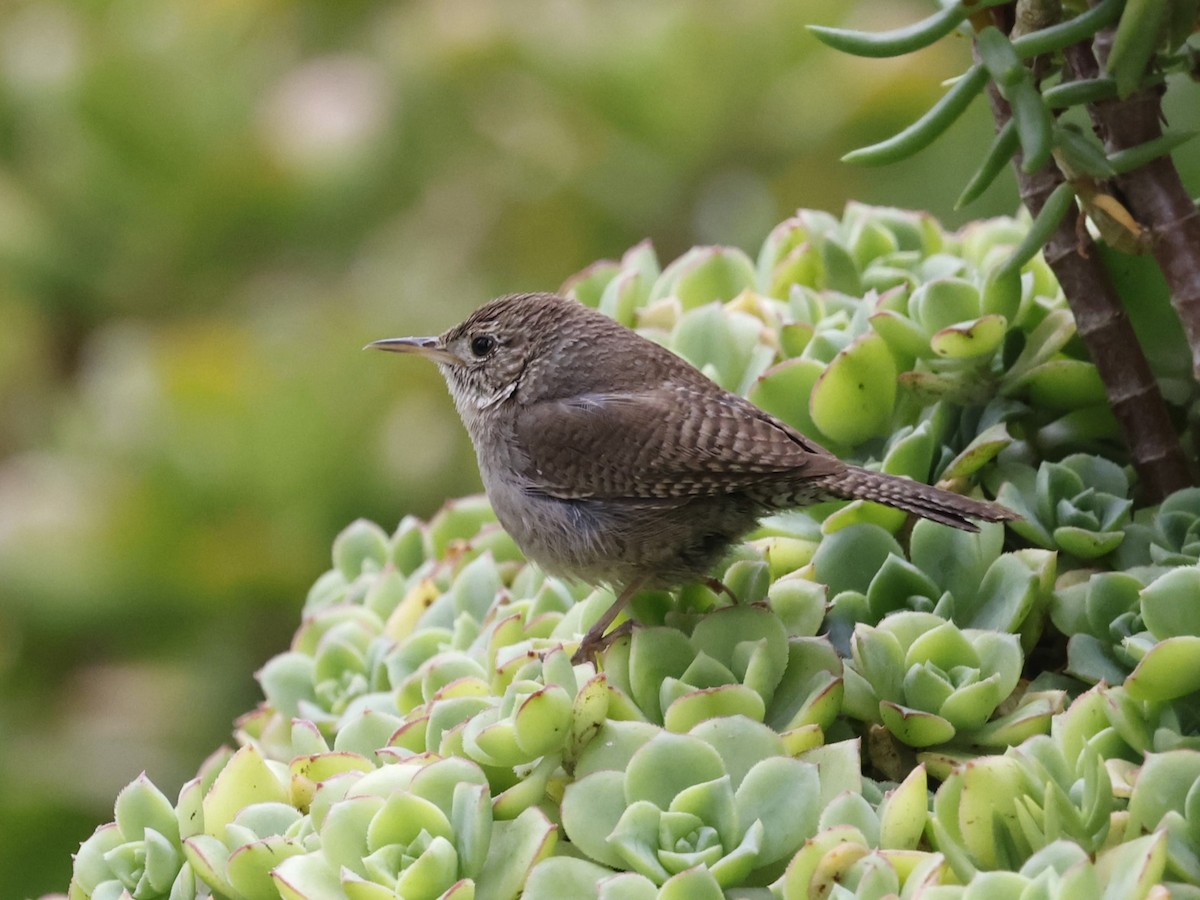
914 497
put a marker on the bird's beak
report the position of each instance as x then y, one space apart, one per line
428 347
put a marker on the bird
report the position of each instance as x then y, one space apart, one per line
612 460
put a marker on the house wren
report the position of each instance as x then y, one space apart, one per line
610 459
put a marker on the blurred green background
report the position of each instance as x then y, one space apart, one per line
207 208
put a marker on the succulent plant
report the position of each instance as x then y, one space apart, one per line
944 318
1165 535
1080 505
138 854
335 670
959 576
1166 798
420 828
995 812
840 862
1062 870
929 682
737 661
1153 725
1099 614
427 734
1144 636
568 876
725 797
244 826
518 737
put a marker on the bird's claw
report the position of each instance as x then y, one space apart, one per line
596 642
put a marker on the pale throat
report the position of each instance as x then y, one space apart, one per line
470 401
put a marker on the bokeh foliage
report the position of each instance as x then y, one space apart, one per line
206 208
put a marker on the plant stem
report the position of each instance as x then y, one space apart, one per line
1104 327
1154 192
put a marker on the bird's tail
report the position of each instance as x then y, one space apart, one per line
914 497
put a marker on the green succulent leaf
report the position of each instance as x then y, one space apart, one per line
1170 669
705 274
899 41
1002 148
966 340
247 778
726 343
782 794
695 707
361 547
250 866
1168 605
1139 32
853 398
588 285
784 391
1016 84
921 133
141 806
915 727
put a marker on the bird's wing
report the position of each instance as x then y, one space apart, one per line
670 442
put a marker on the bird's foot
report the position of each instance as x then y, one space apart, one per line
717 586
596 642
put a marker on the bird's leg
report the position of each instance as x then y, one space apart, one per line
620 631
717 586
595 640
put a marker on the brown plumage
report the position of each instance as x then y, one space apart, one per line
611 459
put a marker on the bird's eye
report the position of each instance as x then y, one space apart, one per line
482 345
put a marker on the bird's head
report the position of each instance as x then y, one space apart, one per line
485 357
